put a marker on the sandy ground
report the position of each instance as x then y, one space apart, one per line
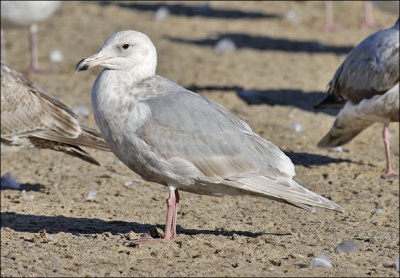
59 233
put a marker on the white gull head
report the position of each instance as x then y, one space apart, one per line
129 50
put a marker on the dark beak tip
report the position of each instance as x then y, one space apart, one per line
80 66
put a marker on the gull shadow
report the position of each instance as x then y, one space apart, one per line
27 187
267 43
287 97
310 159
192 10
78 226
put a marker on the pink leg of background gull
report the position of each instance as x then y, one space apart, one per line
330 26
386 139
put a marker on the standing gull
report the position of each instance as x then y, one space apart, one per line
368 83
172 136
30 118
23 14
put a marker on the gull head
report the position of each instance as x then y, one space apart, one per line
125 50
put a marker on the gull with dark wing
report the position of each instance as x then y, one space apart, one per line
31 118
177 138
367 83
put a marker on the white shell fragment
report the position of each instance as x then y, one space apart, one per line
292 17
161 13
297 126
379 211
26 196
338 149
321 260
56 56
224 45
346 246
92 195
132 182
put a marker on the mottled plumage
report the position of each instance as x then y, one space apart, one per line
30 118
367 82
177 138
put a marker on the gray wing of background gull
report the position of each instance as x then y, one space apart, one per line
368 83
371 68
32 118
197 144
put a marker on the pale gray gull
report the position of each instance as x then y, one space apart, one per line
24 14
177 138
367 83
31 118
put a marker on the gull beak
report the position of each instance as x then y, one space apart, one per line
90 62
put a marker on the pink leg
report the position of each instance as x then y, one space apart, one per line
329 25
368 18
175 213
34 67
170 225
34 49
386 139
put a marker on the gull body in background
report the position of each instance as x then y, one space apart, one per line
367 83
26 14
177 138
30 118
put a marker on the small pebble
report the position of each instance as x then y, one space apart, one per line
26 196
397 264
321 260
161 13
296 126
224 45
81 110
346 246
8 181
56 56
92 195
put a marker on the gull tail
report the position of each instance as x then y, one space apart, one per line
286 190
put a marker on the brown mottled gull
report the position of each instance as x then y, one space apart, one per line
368 83
30 118
172 136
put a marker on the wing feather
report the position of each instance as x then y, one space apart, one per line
371 68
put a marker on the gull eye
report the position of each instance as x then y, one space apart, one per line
125 46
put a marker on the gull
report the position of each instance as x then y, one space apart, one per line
179 139
24 14
31 118
367 82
